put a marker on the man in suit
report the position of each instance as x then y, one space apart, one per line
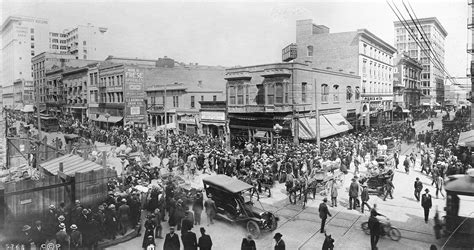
374 227
205 242
323 213
38 234
418 187
189 240
279 243
426 203
62 238
211 210
171 241
353 194
124 212
76 237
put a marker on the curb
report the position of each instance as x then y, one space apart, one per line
127 237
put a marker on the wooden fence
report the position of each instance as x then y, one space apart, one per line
91 187
29 199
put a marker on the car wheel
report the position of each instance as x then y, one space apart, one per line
365 228
253 229
394 234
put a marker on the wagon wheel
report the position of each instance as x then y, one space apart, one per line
253 229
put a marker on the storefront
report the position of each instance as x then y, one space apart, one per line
213 118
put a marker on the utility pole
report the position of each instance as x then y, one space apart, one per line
38 113
166 122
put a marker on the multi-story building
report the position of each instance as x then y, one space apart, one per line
86 42
26 37
357 52
47 78
23 93
470 51
123 83
93 91
22 38
181 104
432 76
406 82
75 82
291 95
58 42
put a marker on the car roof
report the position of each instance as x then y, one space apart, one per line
227 183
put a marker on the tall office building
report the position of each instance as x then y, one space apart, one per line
432 76
24 37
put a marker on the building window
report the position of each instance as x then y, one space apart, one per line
279 93
232 95
310 50
270 94
240 95
365 49
214 98
175 101
324 93
32 30
247 100
336 93
348 93
202 98
33 46
260 94
286 92
357 93
192 102
303 91
83 42
32 38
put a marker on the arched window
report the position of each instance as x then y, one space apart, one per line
357 93
335 93
310 50
324 93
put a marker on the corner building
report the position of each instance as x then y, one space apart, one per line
357 52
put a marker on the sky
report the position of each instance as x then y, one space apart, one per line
231 33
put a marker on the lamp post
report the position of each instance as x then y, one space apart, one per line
107 116
277 129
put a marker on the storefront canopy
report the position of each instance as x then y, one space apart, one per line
405 111
71 165
111 119
307 128
466 139
339 122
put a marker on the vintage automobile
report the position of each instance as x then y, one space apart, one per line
377 182
233 200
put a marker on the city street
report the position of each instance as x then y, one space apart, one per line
300 227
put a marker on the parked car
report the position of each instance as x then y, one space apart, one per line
234 204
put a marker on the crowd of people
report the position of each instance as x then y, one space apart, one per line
257 163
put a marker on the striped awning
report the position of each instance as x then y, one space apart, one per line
307 128
71 164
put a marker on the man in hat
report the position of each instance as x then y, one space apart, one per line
38 234
323 213
388 189
76 237
51 222
123 213
205 242
353 194
61 219
171 240
26 239
374 227
426 203
62 238
189 240
364 196
211 209
279 243
248 243
418 187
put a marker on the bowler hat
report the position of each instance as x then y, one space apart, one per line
61 218
427 190
62 226
325 199
277 236
73 227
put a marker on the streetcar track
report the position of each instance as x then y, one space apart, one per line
319 230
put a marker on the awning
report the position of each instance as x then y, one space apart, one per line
437 104
112 119
28 109
218 124
425 104
405 111
260 134
71 165
466 139
339 122
307 128
227 183
168 126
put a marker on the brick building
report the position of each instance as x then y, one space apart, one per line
261 96
358 52
406 82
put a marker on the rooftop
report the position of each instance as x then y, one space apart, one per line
426 20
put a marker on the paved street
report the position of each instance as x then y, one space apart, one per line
300 228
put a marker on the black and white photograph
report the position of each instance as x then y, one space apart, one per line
236 124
